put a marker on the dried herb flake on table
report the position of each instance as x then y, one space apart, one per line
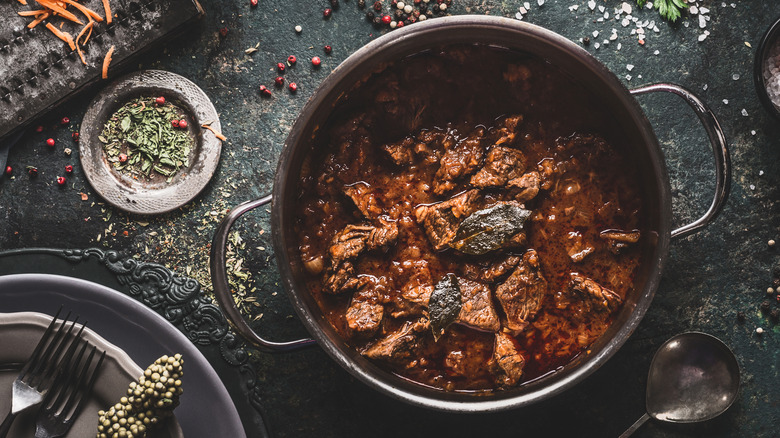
144 139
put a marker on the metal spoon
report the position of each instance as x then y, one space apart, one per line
693 377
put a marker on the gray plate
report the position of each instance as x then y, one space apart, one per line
20 333
206 408
156 195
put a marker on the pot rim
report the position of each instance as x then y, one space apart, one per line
547 386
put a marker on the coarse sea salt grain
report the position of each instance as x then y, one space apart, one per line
771 73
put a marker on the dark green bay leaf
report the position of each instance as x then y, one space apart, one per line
444 305
489 229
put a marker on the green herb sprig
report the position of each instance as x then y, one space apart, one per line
668 9
139 139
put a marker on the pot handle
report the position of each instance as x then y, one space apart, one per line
719 149
222 289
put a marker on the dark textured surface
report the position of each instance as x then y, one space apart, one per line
710 276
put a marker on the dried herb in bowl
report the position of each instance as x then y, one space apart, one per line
147 137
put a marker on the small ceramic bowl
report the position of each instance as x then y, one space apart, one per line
157 195
769 47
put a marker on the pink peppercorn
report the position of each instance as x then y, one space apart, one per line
387 19
175 123
279 81
280 67
8 170
293 87
68 169
327 49
65 121
183 124
265 91
50 142
327 12
160 100
292 59
61 180
316 61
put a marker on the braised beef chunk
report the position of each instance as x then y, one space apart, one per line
419 287
618 240
349 243
353 239
363 197
441 220
577 247
597 297
527 186
508 131
427 145
401 151
502 164
459 161
365 311
431 142
522 293
400 345
341 278
491 272
510 362
477 309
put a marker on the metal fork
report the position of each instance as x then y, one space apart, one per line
37 375
64 402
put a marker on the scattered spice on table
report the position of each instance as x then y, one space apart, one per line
140 141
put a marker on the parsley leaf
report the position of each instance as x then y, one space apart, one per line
668 9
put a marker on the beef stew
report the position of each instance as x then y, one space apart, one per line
477 226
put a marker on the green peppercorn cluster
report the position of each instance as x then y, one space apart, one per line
149 401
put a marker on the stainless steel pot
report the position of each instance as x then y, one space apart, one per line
519 36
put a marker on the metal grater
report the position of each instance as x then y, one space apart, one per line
39 72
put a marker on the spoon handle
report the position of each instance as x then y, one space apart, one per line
635 426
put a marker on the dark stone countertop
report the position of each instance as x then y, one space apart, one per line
710 276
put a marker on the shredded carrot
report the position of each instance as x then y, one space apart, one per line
216 134
64 36
85 10
32 13
107 61
107 9
38 20
59 10
89 34
24 2
78 47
